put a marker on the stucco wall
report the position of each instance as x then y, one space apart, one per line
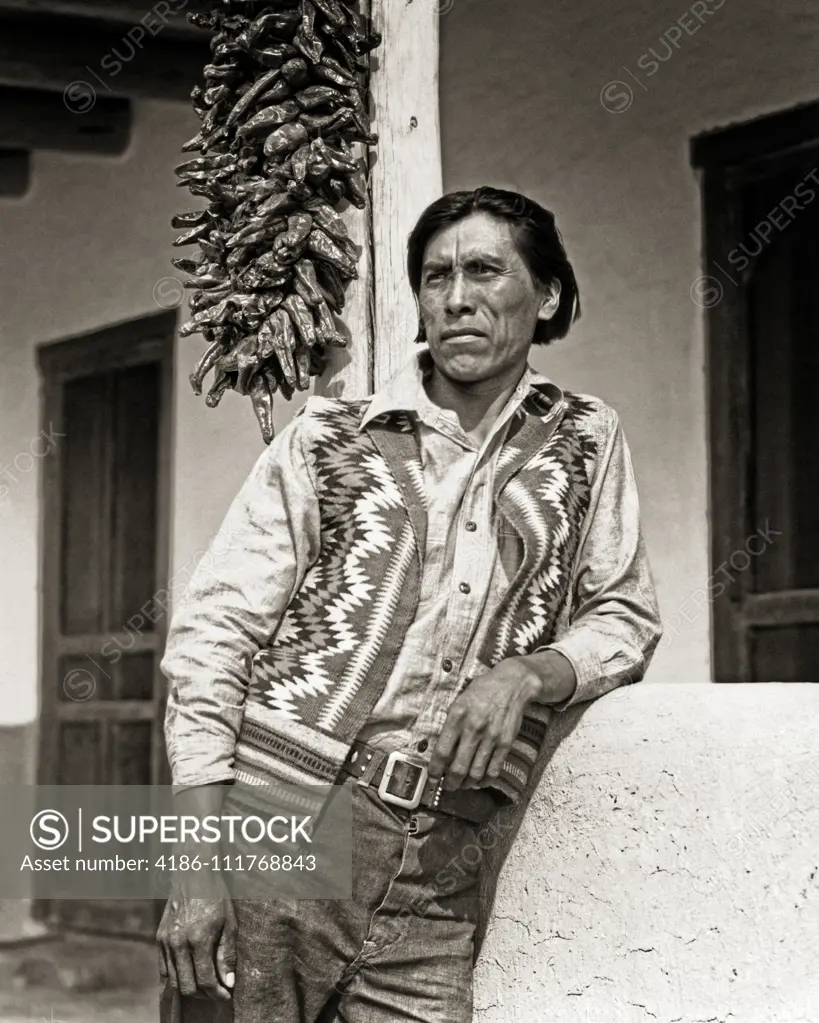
90 245
523 105
667 866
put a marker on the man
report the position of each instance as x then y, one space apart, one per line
413 583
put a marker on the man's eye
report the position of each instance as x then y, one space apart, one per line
435 275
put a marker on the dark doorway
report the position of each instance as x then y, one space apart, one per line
760 186
107 399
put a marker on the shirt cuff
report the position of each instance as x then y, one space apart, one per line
190 782
587 669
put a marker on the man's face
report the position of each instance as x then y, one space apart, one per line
479 303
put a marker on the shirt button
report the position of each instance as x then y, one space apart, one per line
470 526
422 745
446 664
464 587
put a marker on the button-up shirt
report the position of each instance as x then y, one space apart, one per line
271 535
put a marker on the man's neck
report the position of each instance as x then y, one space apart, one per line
476 410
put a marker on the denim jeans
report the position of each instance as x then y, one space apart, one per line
400 950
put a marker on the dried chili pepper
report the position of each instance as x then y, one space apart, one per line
307 282
295 71
285 139
279 202
257 229
253 93
322 245
192 219
277 93
212 317
274 56
220 385
194 144
355 192
332 12
269 118
221 72
327 219
262 399
318 123
301 316
326 328
289 245
245 353
318 96
278 334
287 389
188 266
302 359
215 161
205 365
216 93
195 233
203 19
298 162
270 376
306 39
328 66
331 285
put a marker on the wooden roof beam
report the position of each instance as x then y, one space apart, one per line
123 13
88 63
41 119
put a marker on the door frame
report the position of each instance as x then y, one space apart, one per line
727 158
119 346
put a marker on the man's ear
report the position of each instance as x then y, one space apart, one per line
550 300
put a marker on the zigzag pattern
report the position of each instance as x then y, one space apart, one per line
548 501
339 638
331 615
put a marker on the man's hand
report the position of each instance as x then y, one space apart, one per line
197 933
482 724
197 944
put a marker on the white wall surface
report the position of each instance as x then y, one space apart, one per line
666 868
90 245
523 87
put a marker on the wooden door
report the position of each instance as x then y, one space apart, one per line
107 402
761 210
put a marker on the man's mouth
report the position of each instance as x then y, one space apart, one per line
462 332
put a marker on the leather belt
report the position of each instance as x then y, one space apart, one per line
403 780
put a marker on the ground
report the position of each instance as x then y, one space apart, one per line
79 979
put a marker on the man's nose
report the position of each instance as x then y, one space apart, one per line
459 299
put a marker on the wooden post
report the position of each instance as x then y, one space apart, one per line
405 176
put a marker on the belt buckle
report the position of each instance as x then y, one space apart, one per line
388 797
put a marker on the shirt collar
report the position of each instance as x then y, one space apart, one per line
405 391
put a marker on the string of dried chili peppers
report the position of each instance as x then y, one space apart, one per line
281 104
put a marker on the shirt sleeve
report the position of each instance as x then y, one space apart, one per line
614 624
232 606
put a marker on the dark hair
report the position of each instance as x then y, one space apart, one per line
538 241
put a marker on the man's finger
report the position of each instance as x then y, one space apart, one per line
205 966
167 955
184 967
445 746
463 759
481 759
226 955
497 761
163 966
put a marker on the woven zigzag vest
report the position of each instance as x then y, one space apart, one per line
315 684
